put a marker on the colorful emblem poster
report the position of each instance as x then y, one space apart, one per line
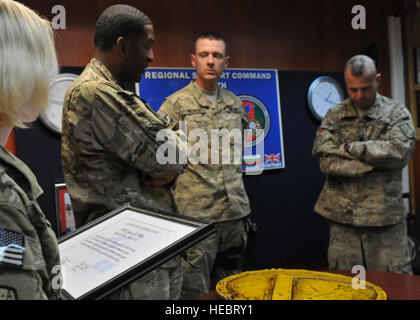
259 91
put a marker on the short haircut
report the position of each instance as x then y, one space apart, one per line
28 62
211 35
116 21
361 65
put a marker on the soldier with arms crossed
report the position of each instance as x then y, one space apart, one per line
362 145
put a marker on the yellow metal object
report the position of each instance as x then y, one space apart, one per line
287 284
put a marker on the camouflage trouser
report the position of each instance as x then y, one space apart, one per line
385 248
216 257
163 283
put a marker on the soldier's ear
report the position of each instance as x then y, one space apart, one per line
121 45
378 78
227 62
193 60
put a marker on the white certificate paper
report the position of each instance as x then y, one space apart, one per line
113 246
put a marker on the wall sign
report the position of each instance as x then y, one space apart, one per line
259 91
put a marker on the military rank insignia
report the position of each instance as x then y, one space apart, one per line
12 248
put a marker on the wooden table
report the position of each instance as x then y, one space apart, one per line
397 286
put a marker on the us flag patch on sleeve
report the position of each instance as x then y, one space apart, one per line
12 248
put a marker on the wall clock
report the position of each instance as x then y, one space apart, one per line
52 115
324 93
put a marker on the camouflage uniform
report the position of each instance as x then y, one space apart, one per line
212 192
109 151
362 195
24 226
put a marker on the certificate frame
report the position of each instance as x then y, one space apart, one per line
200 229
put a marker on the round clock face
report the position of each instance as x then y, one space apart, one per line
323 94
53 114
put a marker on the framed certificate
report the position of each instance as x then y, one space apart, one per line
121 247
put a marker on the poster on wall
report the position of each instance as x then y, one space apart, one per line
64 211
258 90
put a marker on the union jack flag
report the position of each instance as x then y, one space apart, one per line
272 158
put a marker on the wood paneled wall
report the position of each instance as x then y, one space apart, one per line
312 35
301 35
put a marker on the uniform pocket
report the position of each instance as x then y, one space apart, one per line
400 261
374 130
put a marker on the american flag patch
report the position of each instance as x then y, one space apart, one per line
12 247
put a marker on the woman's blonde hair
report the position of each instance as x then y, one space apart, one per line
27 61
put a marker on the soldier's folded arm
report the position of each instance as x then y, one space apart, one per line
132 137
393 153
19 271
337 166
332 160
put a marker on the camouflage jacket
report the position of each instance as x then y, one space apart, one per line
364 182
28 245
109 147
209 191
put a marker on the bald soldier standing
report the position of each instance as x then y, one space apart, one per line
109 146
363 144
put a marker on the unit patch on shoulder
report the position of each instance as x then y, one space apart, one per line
407 130
12 248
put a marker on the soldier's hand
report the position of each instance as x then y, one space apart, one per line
342 147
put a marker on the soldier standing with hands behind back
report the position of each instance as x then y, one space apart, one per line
362 145
210 191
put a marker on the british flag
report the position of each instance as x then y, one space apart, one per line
272 158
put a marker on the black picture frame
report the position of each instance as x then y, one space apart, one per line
202 229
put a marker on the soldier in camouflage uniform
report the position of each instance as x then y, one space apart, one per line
210 191
109 147
362 145
29 258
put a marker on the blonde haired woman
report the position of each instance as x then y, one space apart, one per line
28 246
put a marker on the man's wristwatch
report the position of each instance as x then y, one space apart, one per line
347 146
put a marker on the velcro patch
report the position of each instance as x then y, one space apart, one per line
407 130
7 293
12 248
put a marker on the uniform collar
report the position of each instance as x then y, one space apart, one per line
349 110
35 190
102 70
374 111
223 98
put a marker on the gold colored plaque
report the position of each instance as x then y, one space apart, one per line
288 284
